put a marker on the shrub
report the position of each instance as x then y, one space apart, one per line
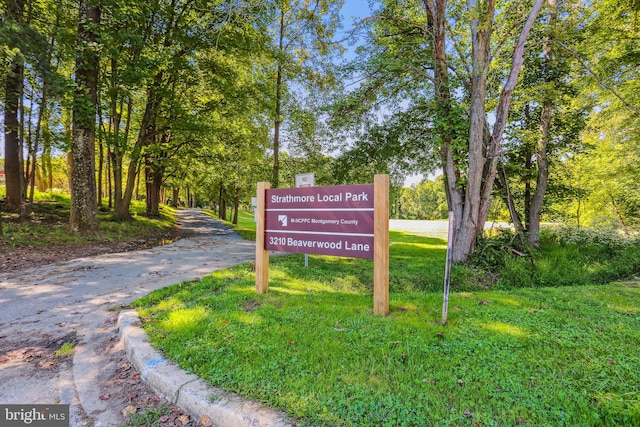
567 257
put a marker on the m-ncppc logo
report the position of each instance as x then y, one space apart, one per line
34 415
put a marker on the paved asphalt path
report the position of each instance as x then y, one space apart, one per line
41 308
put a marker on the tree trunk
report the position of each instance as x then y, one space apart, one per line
109 187
220 199
147 131
83 217
503 183
121 208
36 141
222 203
535 207
542 182
472 226
437 25
100 171
469 200
502 112
174 199
236 204
278 119
618 213
13 88
154 175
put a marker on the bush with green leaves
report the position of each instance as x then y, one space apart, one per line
567 257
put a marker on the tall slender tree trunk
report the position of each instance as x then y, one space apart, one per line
502 112
472 226
83 217
109 187
236 204
503 183
542 182
174 198
13 89
278 119
153 184
100 171
36 141
147 131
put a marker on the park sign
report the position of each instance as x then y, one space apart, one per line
341 220
335 220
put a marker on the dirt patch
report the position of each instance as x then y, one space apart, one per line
136 401
54 214
18 258
42 352
250 306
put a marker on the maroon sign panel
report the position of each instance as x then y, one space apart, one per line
335 220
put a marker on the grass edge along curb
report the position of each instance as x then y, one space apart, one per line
546 356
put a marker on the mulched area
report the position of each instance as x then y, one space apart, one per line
12 259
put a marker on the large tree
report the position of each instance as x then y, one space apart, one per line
14 172
303 46
84 216
461 63
547 121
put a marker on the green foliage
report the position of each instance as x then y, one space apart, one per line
426 200
67 349
147 417
567 257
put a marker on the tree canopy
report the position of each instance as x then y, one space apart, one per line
529 106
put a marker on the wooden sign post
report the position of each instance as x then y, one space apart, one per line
262 254
381 245
342 220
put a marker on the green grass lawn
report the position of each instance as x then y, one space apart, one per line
312 347
48 224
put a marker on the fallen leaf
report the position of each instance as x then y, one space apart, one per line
105 396
520 421
598 330
184 419
468 413
129 410
206 421
611 362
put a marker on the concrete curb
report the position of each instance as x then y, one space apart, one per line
188 391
